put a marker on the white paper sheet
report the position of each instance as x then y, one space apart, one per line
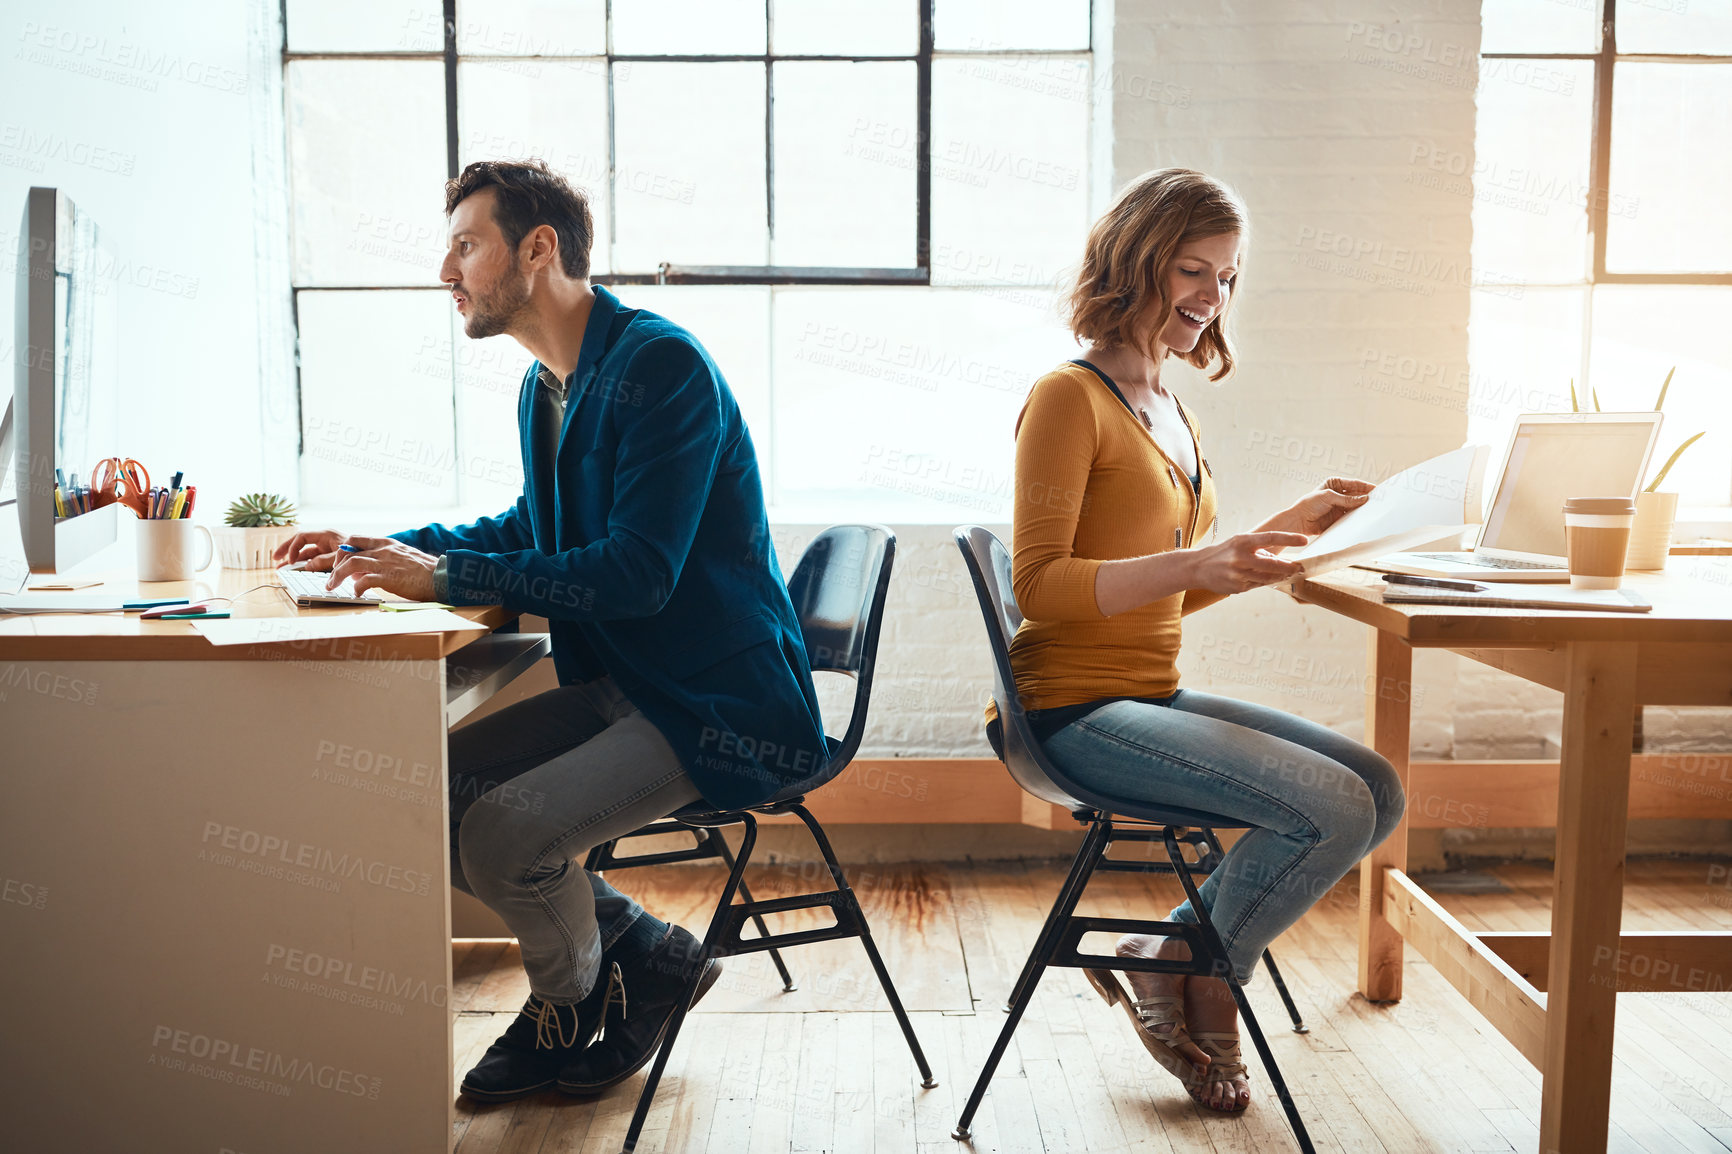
62 603
1429 500
275 630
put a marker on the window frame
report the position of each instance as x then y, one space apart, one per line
1715 517
669 273
768 276
1605 63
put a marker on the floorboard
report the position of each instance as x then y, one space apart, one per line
825 1070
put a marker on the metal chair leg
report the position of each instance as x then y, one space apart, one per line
1212 939
720 845
1299 1026
1055 924
717 921
926 1079
1081 869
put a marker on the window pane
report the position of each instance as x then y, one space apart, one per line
689 145
1523 350
1703 27
1529 181
977 25
555 110
1671 166
1540 26
1641 331
846 27
1009 168
688 27
377 26
930 382
733 323
374 430
845 165
367 171
489 376
531 28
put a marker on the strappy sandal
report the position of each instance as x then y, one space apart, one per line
1224 1066
1146 1017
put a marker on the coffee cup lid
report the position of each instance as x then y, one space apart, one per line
1600 506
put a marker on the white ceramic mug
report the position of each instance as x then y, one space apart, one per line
165 550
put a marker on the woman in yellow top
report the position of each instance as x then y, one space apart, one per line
1113 494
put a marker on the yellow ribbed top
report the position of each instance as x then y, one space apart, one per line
1092 486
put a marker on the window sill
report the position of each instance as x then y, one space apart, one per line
1697 521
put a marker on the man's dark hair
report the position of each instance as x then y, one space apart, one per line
526 194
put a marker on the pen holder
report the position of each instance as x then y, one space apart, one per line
166 550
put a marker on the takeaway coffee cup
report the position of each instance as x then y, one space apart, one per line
166 549
1597 535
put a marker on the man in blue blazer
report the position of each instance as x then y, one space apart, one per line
641 536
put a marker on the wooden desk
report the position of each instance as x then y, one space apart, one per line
225 876
1553 996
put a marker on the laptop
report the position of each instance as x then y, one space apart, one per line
1551 457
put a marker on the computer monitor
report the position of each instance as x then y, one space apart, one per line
65 387
1555 456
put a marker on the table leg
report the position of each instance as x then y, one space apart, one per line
1587 908
1388 714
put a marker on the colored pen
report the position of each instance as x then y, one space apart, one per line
133 606
1434 582
174 506
348 548
174 482
191 496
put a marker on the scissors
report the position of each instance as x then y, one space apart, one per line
125 481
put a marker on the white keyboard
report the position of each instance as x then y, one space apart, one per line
306 586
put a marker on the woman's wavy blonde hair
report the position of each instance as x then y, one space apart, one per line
1130 249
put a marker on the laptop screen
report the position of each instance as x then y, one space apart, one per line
1550 461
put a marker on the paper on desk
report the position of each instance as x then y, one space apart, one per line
1432 499
62 603
275 630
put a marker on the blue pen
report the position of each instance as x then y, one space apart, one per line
348 548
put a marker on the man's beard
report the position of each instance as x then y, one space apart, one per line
503 305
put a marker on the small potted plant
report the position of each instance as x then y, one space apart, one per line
1651 534
252 528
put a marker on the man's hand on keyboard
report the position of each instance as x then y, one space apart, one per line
318 549
388 564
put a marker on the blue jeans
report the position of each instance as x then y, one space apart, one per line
1317 801
534 788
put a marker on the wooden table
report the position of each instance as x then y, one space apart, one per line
226 875
1552 995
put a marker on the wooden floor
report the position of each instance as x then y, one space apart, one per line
825 1069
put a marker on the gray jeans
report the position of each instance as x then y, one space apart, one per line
534 788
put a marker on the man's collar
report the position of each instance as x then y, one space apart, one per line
595 332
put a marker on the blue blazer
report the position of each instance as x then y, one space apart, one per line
646 546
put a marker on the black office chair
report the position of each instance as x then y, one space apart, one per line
838 589
1058 941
